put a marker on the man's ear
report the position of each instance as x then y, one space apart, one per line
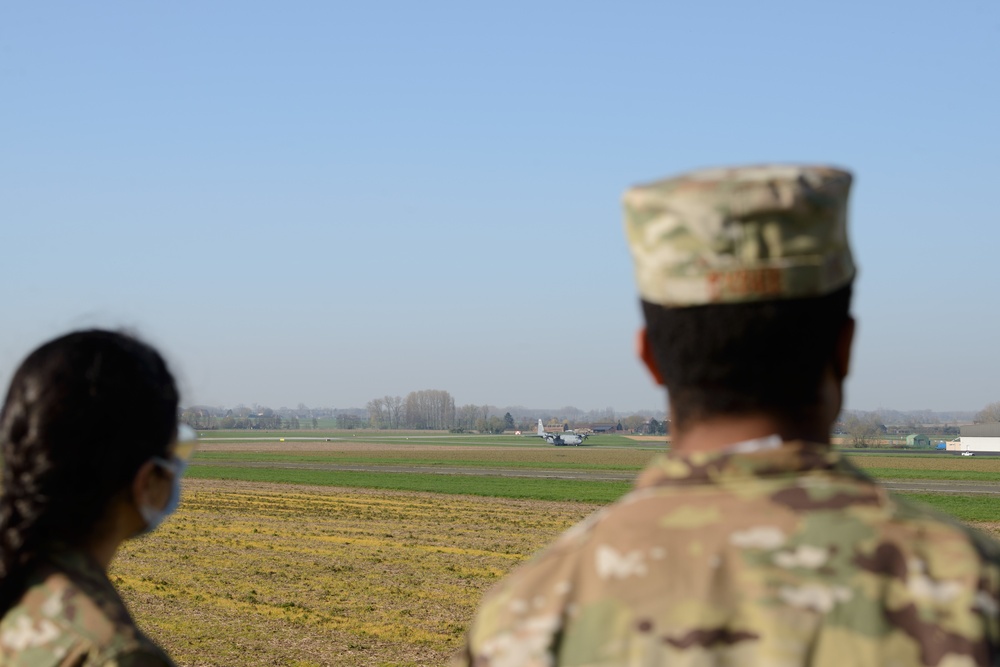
842 355
645 351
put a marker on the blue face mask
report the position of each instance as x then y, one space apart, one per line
154 516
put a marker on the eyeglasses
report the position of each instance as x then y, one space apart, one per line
187 443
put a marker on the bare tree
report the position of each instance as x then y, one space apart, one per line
429 409
377 413
991 413
633 422
349 421
394 410
466 416
492 425
863 431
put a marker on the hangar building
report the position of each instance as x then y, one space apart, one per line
981 437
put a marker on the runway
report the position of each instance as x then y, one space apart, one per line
490 471
943 486
906 486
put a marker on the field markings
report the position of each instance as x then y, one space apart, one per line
282 575
948 486
273 438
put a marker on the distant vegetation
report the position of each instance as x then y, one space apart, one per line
889 428
436 409
426 409
991 413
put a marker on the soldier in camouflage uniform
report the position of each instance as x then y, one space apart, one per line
91 457
751 542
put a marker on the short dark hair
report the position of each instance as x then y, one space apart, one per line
82 414
759 357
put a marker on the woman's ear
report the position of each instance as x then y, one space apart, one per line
149 487
645 351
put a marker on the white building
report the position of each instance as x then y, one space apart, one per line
981 437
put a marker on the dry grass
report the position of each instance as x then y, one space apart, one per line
626 458
936 462
314 447
267 574
991 528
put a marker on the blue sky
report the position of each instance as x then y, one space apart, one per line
326 202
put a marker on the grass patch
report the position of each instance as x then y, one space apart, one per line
500 487
956 475
958 463
538 459
416 437
918 454
573 458
964 508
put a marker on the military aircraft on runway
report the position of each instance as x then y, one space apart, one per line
560 439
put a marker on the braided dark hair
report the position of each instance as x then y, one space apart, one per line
82 414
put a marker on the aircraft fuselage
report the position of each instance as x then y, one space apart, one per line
559 439
564 439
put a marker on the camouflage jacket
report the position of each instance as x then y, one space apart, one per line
785 556
71 615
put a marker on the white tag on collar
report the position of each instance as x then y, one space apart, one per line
772 441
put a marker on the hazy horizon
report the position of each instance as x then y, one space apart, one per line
325 204
573 413
948 415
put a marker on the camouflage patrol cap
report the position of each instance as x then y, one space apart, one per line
740 234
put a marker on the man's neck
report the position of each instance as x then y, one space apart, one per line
717 433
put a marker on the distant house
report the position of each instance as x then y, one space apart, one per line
981 437
556 426
604 427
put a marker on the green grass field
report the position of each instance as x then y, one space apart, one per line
423 437
549 461
602 453
956 475
964 508
499 487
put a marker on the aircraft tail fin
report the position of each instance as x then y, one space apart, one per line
541 431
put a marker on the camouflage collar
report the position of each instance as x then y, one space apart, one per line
88 576
791 458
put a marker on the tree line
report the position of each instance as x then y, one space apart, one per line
869 429
432 409
266 419
424 409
